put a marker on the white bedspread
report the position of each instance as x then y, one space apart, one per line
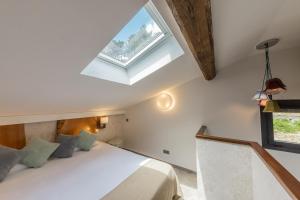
85 176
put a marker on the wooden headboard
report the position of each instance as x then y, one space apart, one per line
13 136
74 126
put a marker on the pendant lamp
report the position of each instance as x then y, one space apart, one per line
260 95
271 106
275 86
263 102
270 85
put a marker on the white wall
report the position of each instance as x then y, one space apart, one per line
45 130
114 128
234 172
226 175
265 185
223 104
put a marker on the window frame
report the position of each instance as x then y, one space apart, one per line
157 18
267 132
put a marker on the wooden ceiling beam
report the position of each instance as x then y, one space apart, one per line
195 22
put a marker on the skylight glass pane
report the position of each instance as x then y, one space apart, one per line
137 36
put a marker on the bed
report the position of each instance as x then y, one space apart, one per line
106 172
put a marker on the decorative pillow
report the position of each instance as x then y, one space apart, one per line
67 146
17 168
8 159
37 152
86 141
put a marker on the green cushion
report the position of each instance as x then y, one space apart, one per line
37 152
86 141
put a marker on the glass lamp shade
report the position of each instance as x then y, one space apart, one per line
165 102
263 102
260 95
275 86
271 106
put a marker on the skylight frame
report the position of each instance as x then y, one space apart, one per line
166 32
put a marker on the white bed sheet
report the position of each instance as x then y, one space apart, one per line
85 176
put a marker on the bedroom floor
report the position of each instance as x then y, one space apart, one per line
188 183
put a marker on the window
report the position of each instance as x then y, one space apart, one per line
281 130
141 48
144 31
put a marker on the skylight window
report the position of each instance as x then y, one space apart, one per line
144 31
142 47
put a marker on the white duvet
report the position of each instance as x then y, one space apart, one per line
85 176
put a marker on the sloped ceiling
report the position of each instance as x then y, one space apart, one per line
240 25
44 45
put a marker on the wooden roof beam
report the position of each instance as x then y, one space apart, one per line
195 22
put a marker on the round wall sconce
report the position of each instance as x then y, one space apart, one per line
165 102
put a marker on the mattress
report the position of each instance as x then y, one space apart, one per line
97 174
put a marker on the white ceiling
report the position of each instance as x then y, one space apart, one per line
238 25
46 44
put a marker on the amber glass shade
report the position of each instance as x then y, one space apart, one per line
271 106
263 102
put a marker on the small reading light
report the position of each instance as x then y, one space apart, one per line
165 102
103 122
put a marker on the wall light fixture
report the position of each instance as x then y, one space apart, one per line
102 122
165 101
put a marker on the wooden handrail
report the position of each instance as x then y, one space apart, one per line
285 178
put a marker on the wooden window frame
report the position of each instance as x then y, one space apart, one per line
267 132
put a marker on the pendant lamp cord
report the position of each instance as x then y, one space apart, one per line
267 73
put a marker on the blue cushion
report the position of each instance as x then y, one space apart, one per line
8 159
67 145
